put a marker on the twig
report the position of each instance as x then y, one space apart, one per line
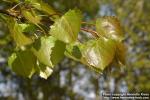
16 6
94 33
88 23
7 13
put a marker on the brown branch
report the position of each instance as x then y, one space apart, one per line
94 33
16 5
6 13
9 14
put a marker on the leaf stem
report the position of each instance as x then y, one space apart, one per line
94 33
88 23
16 6
7 13
55 14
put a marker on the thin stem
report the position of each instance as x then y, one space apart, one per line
7 13
94 33
55 14
16 6
88 23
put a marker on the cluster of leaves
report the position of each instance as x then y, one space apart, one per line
40 46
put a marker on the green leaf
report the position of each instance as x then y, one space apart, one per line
99 53
16 32
48 50
23 63
11 59
40 5
24 26
67 27
109 27
28 27
58 52
31 17
74 51
44 71
42 48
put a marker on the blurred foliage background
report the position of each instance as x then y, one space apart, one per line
74 81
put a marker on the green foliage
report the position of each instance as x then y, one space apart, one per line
23 63
99 53
67 27
16 31
47 50
44 71
73 51
38 4
39 50
109 27
31 17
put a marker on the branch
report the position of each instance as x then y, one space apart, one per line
9 14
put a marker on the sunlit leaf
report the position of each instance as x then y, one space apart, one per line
23 63
28 27
24 26
99 53
42 48
48 50
44 71
109 27
67 27
31 17
16 32
11 59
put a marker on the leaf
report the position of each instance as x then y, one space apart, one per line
40 5
45 7
16 32
31 17
11 59
74 51
23 63
58 52
28 27
109 27
121 53
48 50
23 26
44 71
67 27
99 53
42 48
